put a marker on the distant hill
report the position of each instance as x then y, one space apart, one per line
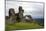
39 20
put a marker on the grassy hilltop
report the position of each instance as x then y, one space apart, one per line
22 26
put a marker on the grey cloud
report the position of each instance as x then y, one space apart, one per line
36 11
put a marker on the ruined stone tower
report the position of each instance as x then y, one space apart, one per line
21 11
12 17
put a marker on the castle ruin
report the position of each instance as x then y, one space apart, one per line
17 17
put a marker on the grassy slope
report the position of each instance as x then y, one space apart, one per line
22 26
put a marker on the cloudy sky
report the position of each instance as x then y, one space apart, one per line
30 8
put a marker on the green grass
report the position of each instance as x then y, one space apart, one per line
22 26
